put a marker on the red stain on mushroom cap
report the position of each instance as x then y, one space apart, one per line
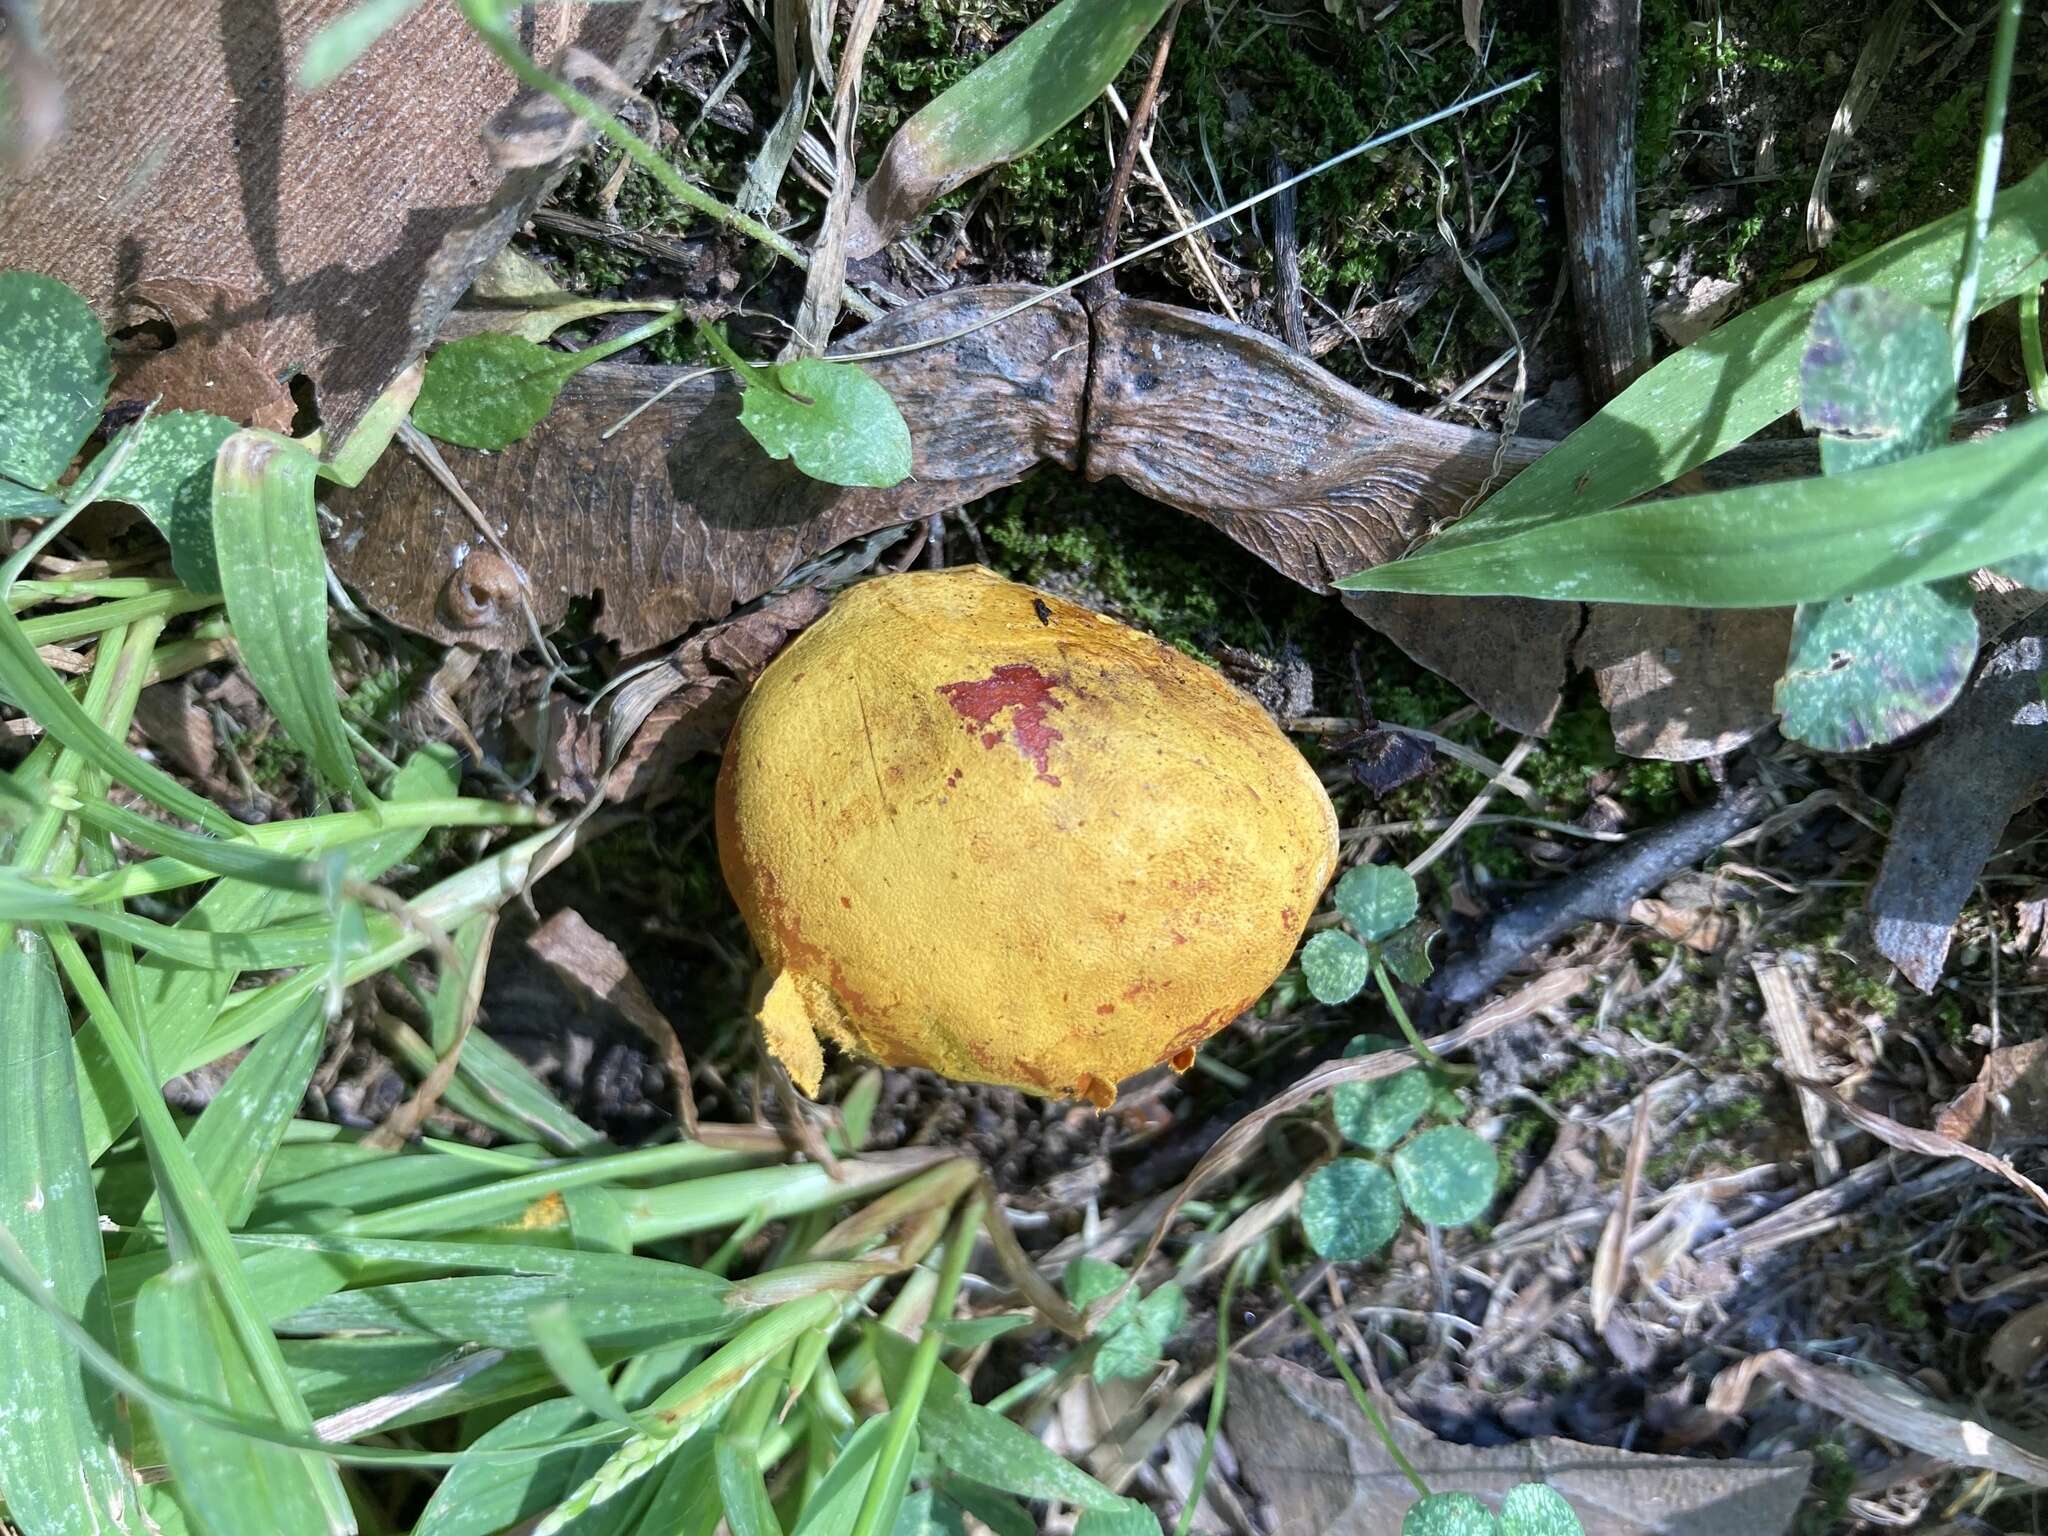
1027 693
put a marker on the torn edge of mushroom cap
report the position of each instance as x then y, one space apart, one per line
796 1016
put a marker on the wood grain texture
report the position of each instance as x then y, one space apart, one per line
681 517
1989 758
358 214
1597 88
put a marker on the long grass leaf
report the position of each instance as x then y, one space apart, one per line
1935 515
552 1326
197 1220
1005 108
226 1483
273 573
242 1126
1739 378
60 1461
481 1495
27 679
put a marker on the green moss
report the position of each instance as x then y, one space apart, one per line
1826 1505
1718 1134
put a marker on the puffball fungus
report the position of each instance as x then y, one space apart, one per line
977 828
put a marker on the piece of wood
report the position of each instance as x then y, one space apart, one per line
354 218
1988 758
1597 91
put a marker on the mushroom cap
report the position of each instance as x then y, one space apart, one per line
978 828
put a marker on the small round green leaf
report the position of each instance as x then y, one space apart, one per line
1877 380
1350 1209
1089 1280
1536 1509
1449 1514
1866 669
1407 954
1447 1175
1161 1314
54 373
1334 966
489 391
20 501
1377 899
833 421
169 476
1125 1355
1377 1114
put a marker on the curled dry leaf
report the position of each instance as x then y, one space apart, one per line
680 517
1309 1453
175 162
677 519
2009 1098
1885 1406
1909 1138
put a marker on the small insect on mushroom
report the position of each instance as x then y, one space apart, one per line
1044 854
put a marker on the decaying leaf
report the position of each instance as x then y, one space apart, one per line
2020 1344
680 517
2008 1100
1510 655
1309 1453
593 966
1885 1406
712 671
1684 683
1990 758
210 364
186 152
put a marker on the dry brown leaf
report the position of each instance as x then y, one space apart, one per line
680 517
1700 929
209 366
1684 683
1885 1406
2009 1098
2020 1344
592 965
1510 655
1927 1143
189 152
1307 1451
712 671
1610 1259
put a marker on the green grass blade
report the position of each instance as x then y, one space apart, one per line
1044 78
481 1496
227 1484
553 1328
1937 514
180 1003
197 1223
835 1503
237 1133
274 575
1744 375
496 1089
27 679
60 1463
748 1511
645 1312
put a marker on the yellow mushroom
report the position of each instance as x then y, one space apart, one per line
977 828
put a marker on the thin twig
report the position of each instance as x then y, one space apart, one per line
1100 290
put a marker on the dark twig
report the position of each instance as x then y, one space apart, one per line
1602 892
1287 265
1102 287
